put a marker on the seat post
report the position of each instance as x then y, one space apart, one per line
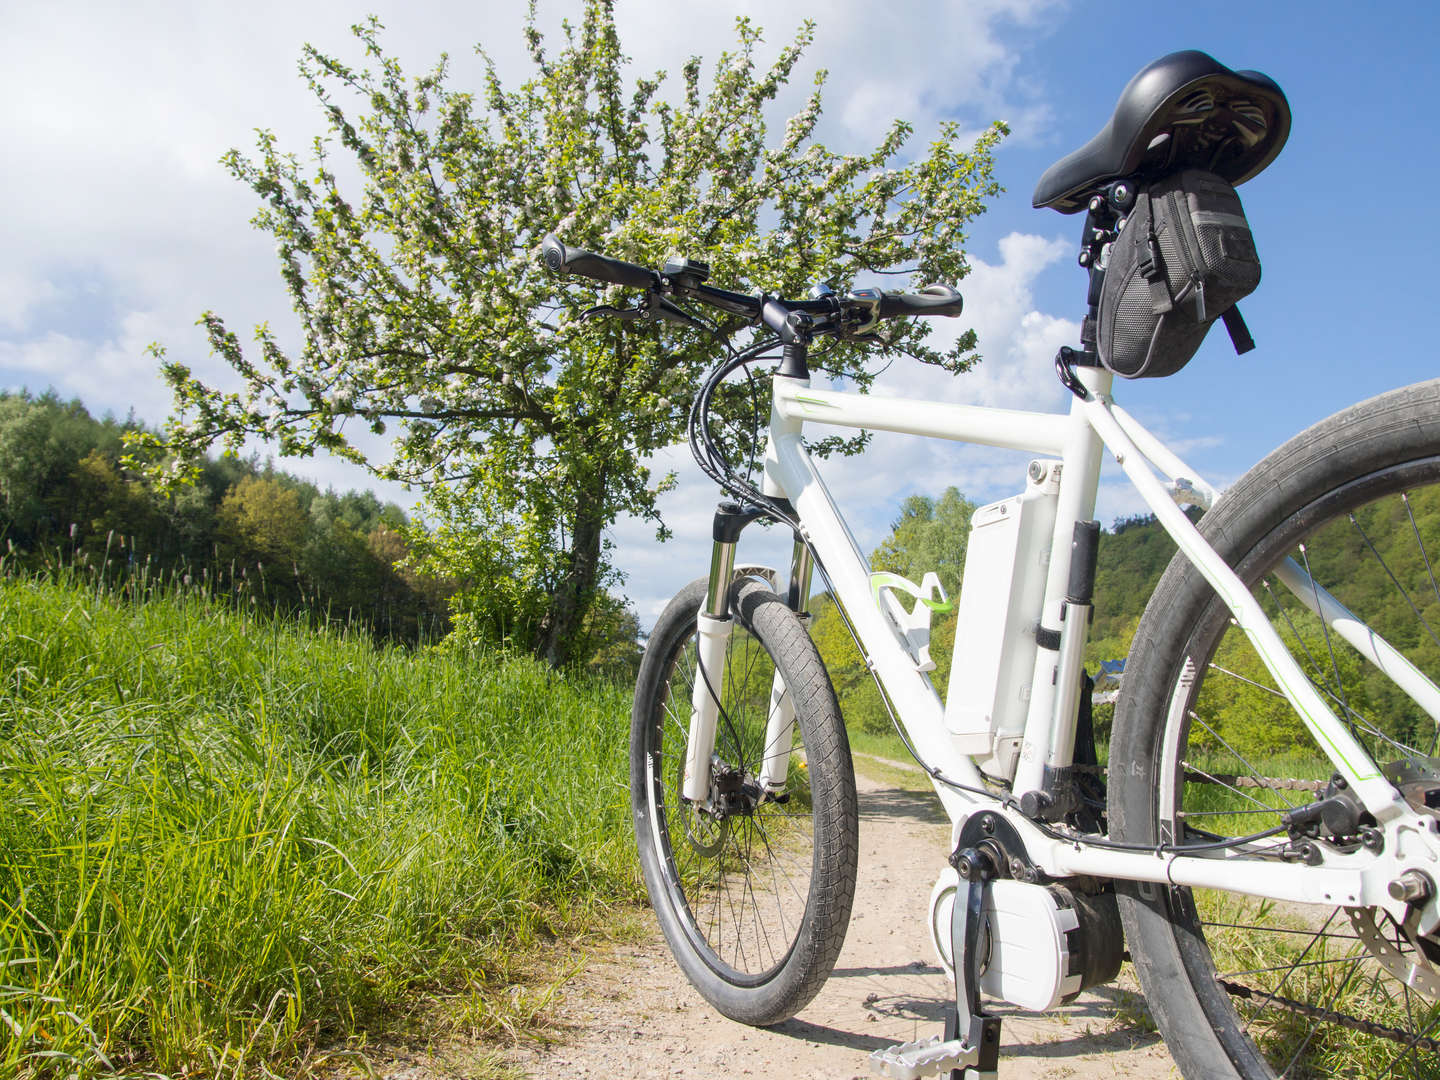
1103 217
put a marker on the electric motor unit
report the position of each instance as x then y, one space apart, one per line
1040 945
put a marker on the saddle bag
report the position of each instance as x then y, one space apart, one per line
1183 257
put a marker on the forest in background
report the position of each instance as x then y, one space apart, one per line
244 528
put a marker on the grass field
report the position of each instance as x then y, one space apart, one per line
229 844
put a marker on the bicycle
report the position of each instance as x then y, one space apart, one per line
1278 925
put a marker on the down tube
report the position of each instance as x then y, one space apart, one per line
916 702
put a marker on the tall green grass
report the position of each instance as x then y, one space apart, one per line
228 843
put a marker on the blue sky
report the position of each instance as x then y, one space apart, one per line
121 228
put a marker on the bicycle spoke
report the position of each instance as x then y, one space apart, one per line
1354 718
1315 939
1325 628
1315 1025
1414 1041
779 912
1394 580
1434 587
1248 682
1419 543
1277 930
1190 766
1254 772
1293 966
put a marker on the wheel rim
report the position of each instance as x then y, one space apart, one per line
1309 991
740 883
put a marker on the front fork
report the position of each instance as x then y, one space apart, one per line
714 624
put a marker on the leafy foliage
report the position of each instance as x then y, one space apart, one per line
423 301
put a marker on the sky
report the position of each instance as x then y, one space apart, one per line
121 227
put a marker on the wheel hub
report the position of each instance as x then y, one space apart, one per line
733 793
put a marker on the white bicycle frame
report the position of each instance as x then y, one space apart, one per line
1093 425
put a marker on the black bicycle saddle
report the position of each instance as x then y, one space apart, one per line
1184 111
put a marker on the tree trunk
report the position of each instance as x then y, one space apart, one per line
560 629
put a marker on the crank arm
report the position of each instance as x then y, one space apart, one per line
981 1033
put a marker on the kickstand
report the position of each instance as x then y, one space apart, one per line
970 1049
968 1021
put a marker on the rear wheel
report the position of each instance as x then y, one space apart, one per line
1205 747
753 891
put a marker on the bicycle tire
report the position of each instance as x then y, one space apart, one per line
1190 728
753 906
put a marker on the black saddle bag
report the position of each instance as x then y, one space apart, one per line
1183 257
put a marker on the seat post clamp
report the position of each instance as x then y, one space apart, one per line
1066 361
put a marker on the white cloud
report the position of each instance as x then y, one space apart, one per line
961 63
20 294
90 370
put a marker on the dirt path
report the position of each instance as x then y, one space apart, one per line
632 1014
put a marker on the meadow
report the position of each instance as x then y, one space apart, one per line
232 845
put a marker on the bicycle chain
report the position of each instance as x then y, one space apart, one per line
1330 1016
1271 783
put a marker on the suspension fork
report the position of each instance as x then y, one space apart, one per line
714 624
780 719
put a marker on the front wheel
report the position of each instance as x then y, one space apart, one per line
1205 747
753 890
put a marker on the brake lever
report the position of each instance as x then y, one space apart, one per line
664 309
611 312
657 307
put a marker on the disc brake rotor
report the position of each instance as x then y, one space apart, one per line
705 832
1412 968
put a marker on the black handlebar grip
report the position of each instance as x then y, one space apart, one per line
578 261
931 300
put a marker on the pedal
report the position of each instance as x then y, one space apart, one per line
925 1057
968 1019
970 1047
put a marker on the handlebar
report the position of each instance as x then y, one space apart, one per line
600 267
855 313
931 300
